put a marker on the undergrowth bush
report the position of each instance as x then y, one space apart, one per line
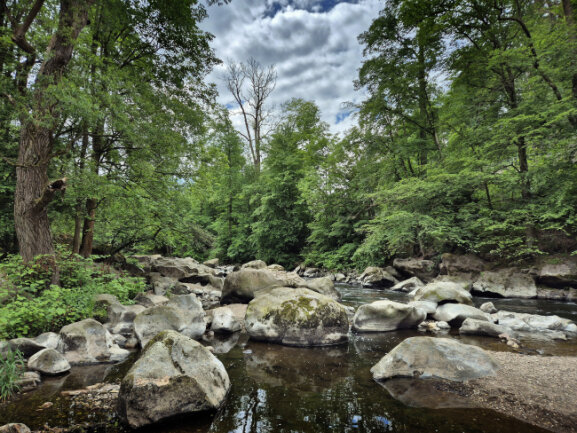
30 305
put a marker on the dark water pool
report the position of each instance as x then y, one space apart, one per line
284 389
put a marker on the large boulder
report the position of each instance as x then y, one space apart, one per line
377 277
409 285
183 313
26 346
50 340
454 264
387 316
324 286
161 285
442 292
534 322
558 271
255 264
229 318
174 375
423 269
455 314
179 268
484 328
432 357
49 362
86 342
296 317
241 286
506 283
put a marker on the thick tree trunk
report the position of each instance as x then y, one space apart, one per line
33 192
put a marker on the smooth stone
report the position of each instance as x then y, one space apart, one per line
49 362
386 316
434 357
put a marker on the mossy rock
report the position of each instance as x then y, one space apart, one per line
296 317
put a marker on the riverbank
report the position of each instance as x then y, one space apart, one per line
539 390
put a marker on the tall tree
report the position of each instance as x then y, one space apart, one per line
250 85
34 191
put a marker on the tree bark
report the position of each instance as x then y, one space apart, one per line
33 194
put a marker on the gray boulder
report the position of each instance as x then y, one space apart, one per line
484 328
312 273
174 375
161 285
506 283
535 322
488 307
85 342
49 362
423 269
339 277
229 318
377 277
179 268
145 262
50 340
455 314
323 285
255 264
183 314
276 267
241 286
296 317
409 285
429 307
432 357
465 281
452 264
558 271
441 292
27 346
150 300
386 316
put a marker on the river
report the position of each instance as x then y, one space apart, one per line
285 389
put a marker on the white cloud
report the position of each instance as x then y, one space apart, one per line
312 44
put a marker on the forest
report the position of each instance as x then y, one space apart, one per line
112 142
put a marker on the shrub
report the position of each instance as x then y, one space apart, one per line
35 306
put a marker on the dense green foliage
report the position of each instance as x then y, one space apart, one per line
465 143
30 305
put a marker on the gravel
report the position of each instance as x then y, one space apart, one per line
541 390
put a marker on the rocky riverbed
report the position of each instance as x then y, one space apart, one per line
270 383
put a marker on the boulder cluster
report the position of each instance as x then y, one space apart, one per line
190 302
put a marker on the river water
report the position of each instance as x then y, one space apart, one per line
285 389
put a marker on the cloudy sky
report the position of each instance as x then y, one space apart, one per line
312 43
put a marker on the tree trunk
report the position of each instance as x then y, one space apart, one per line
78 214
33 192
30 213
